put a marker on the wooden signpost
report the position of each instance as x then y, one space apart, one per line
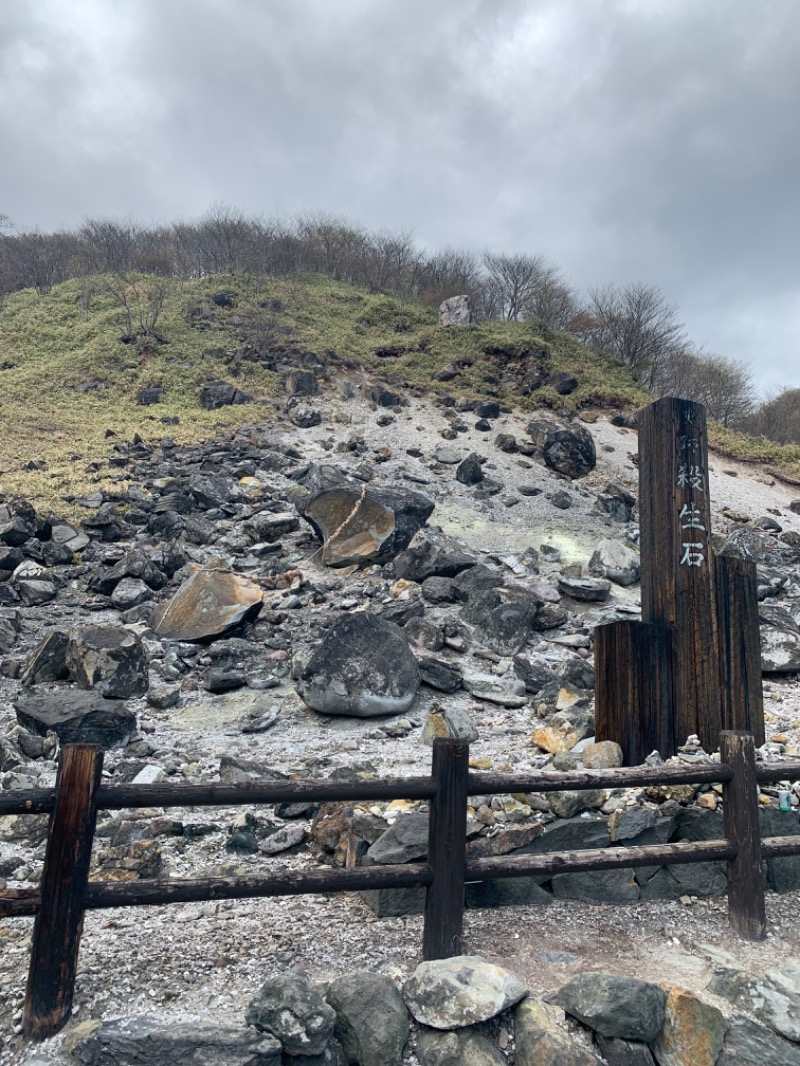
693 662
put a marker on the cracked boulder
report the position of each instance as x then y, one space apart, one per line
357 524
363 666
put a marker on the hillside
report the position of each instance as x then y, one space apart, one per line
68 379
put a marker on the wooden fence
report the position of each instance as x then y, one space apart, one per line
66 892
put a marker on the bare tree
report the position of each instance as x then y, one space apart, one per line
778 417
513 278
634 324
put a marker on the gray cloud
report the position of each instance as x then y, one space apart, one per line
626 139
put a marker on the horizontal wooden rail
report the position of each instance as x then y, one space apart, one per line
102 894
223 794
779 847
572 862
481 784
777 771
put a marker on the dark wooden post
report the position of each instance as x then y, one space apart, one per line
740 812
633 688
447 850
741 687
58 925
676 565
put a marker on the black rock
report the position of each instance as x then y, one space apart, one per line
469 471
76 717
221 394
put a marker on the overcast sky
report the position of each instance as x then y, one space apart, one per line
627 140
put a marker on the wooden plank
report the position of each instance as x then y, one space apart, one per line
585 861
633 688
741 688
447 850
740 818
484 784
676 563
59 921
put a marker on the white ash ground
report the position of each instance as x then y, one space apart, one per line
209 959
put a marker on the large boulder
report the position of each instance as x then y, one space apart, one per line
457 311
570 451
464 990
432 554
615 1006
616 561
108 658
371 1020
288 1006
363 666
207 604
357 523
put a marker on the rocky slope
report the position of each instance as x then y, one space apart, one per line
218 606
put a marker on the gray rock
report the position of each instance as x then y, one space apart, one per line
436 1048
469 471
464 990
746 543
363 666
221 394
394 902
456 311
76 717
503 622
540 1040
616 561
487 687
598 886
130 592
571 835
432 554
570 451
780 651
404 841
304 416
108 658
584 588
145 1040
47 662
771 1002
616 502
371 1020
702 879
439 675
750 1044
615 1006
452 722
568 804
290 1008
